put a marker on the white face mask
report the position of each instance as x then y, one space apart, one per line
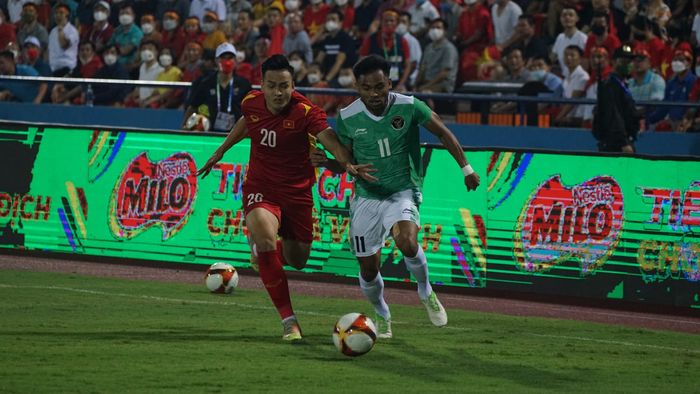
147 55
697 70
401 29
240 56
296 65
147 28
332 26
345 80
169 24
208 27
677 66
126 19
313 78
165 60
341 2
436 34
100 16
291 5
110 59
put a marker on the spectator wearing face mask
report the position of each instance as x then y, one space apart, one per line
20 91
316 80
100 31
63 43
677 89
166 97
298 62
337 48
31 56
345 80
438 69
199 8
29 26
421 12
600 37
149 28
297 40
414 46
191 61
394 48
348 12
180 7
315 17
148 71
214 35
112 69
127 37
173 36
193 31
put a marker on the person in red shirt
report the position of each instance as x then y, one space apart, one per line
281 124
600 36
275 29
474 34
173 36
348 12
88 64
392 47
100 32
644 39
315 17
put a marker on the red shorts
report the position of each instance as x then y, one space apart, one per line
293 211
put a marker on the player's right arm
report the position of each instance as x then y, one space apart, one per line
237 133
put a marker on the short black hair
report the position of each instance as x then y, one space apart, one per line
444 22
575 48
276 63
7 54
542 57
337 12
370 64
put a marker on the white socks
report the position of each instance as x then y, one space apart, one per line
418 266
374 291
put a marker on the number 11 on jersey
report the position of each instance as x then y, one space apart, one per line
384 150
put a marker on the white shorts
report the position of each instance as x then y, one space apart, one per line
371 220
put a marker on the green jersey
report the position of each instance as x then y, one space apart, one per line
391 143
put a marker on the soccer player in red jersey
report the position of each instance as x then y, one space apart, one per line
277 196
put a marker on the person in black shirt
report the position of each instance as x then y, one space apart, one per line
219 95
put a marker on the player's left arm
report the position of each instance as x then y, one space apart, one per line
450 142
330 141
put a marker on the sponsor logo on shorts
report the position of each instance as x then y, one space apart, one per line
397 122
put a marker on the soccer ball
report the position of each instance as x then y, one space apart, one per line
354 334
221 278
197 122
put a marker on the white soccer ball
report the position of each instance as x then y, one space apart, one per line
197 122
354 334
221 278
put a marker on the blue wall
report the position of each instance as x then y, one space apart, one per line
477 136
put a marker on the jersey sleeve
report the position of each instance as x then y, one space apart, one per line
421 112
317 120
342 131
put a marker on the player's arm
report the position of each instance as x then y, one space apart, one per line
320 159
450 142
237 133
330 141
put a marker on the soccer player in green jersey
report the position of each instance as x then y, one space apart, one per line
381 128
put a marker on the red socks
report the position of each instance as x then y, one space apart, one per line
275 281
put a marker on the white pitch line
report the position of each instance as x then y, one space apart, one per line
311 313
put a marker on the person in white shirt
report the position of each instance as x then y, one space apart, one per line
63 43
504 14
570 36
422 13
149 71
14 9
200 7
414 48
574 86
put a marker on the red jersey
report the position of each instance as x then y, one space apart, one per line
279 144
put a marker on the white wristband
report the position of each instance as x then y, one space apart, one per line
467 170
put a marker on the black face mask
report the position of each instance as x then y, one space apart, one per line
640 36
598 29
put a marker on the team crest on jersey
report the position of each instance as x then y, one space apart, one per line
254 118
397 122
288 124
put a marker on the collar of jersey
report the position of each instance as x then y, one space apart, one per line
390 102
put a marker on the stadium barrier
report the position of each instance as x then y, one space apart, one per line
618 227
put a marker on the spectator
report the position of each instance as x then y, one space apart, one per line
600 37
517 72
392 47
346 80
414 46
574 86
261 49
243 67
624 17
199 8
275 29
541 83
15 9
297 39
475 33
233 8
695 36
32 56
348 13
192 31
337 47
245 32
422 12
316 79
315 17
600 69
100 31
191 61
31 27
86 68
645 84
173 36
180 7
570 36
645 39
505 15
292 7
25 92
450 10
149 29
657 11
676 41
524 38
127 36
438 69
111 95
148 71
166 97
85 16
63 43
211 27
223 108
599 7
8 31
298 62
365 13
677 89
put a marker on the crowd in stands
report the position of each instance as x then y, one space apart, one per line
432 46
